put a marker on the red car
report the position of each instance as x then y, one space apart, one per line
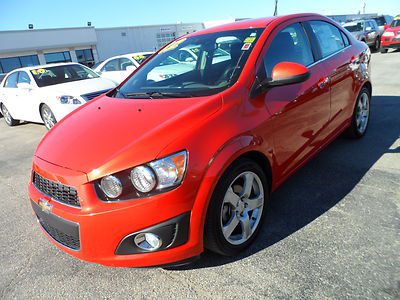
185 153
391 36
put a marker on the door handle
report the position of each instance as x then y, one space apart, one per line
324 82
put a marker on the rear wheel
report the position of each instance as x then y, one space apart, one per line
361 115
48 117
237 208
10 121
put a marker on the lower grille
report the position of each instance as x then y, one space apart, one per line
61 237
57 191
63 231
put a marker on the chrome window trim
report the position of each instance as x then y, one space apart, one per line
329 56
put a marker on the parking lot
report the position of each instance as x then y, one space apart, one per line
332 230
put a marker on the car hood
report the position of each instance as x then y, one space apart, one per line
357 33
109 135
393 29
80 87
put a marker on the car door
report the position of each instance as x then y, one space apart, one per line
111 70
371 32
301 111
126 66
340 61
9 95
26 98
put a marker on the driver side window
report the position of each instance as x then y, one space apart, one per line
289 45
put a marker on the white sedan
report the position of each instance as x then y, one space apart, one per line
46 94
117 68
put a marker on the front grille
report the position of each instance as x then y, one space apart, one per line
90 96
61 237
56 191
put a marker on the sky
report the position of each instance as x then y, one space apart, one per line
17 14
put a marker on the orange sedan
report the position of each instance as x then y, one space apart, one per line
184 154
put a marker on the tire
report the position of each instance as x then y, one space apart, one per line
377 43
10 121
361 115
384 50
48 117
221 212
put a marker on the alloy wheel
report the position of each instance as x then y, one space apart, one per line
242 208
6 114
48 117
362 116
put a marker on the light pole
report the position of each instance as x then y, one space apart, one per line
276 8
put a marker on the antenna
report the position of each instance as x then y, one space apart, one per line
276 8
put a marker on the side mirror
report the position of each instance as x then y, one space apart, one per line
284 73
386 26
24 86
368 28
189 59
130 68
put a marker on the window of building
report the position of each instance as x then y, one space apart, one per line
85 57
29 60
328 36
165 38
11 63
57 57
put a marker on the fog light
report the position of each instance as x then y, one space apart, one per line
148 241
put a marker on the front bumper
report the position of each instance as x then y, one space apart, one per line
390 42
102 227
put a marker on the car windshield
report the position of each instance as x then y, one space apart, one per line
395 23
191 67
380 21
354 27
140 58
61 74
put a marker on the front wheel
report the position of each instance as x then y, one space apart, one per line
384 50
361 114
48 117
237 208
377 44
10 121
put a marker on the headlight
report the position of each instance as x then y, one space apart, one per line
68 100
111 186
143 179
148 179
388 33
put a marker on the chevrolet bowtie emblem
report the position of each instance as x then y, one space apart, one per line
45 206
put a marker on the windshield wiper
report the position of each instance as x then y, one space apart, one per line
152 95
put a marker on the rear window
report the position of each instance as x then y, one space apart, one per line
380 21
61 74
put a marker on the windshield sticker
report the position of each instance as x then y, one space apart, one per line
250 39
397 18
38 71
138 57
246 46
173 45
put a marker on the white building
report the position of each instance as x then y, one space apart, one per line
87 45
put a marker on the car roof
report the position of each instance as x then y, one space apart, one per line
250 23
129 55
44 66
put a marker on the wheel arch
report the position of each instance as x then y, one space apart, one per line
247 146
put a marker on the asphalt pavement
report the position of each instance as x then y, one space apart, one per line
332 230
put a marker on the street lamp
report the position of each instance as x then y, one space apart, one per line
276 8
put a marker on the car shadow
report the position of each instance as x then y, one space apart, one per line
323 182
